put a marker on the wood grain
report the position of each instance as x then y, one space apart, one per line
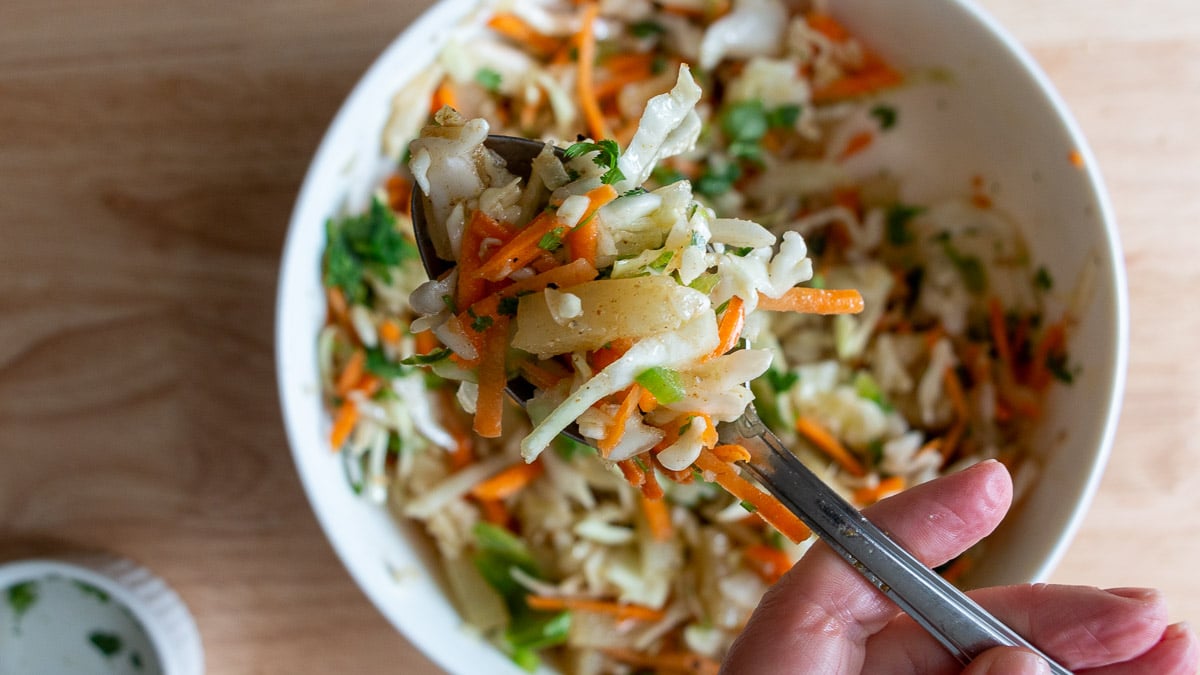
149 156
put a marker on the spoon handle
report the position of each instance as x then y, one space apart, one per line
958 622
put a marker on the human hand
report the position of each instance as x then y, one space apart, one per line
823 617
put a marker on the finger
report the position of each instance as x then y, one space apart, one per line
818 616
1176 653
1078 626
1008 661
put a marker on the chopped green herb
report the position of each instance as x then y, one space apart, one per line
480 323
781 382
108 643
426 359
488 79
552 240
665 175
1042 279
646 28
634 192
567 447
745 121
721 307
818 281
886 115
91 590
508 306
22 596
784 116
898 218
740 251
749 507
716 181
448 301
973 273
658 64
875 451
135 660
366 243
664 384
1056 363
775 540
379 364
608 153
660 263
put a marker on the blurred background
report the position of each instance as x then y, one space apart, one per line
150 153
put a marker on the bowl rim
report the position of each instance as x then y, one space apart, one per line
437 15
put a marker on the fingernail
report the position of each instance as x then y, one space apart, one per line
1177 630
1019 662
1141 594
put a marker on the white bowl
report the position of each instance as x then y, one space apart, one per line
990 112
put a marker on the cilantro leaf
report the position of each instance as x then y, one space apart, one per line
357 244
426 359
1042 279
646 28
552 240
784 116
379 364
781 382
488 79
607 155
886 115
898 218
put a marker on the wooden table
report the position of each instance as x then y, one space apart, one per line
149 156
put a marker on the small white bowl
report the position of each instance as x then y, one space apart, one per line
93 614
989 111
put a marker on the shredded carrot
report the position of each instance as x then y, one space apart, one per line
583 240
622 70
632 472
709 437
658 517
339 312
464 448
814 301
1051 343
767 507
827 25
495 512
343 424
647 402
730 327
399 193
517 252
425 342
857 143
513 27
961 565
731 453
585 80
873 76
1076 159
884 488
493 376
666 662
443 96
621 611
539 376
604 356
616 430
471 287
508 482
390 332
352 373
831 446
767 561
651 488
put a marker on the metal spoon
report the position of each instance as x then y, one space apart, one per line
956 621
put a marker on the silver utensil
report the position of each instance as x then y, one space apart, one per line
956 621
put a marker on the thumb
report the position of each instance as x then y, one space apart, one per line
1008 661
